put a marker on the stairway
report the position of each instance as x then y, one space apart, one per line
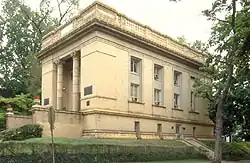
199 146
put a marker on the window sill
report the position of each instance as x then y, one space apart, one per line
159 106
135 73
177 109
136 102
194 112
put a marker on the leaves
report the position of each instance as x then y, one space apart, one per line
21 32
231 44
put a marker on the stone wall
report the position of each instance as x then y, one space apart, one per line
67 124
14 121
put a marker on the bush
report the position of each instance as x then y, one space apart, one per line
232 151
67 153
22 133
21 104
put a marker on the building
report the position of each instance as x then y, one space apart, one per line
109 76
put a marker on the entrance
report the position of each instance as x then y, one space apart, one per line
137 130
159 131
178 131
194 132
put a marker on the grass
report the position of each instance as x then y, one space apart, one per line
108 141
181 161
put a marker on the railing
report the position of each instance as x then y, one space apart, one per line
110 16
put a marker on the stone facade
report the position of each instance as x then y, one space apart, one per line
120 77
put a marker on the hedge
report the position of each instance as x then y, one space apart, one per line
232 151
65 153
22 133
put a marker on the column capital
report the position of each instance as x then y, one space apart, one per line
59 62
74 54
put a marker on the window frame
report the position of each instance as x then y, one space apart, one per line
176 101
177 78
134 91
135 65
157 96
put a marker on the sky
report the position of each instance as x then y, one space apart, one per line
170 18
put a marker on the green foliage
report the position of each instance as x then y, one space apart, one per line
22 133
2 120
232 151
21 32
21 104
66 153
231 45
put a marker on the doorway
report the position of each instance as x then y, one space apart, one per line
178 131
137 130
159 131
194 132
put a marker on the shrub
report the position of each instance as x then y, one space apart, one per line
21 104
22 133
232 151
67 153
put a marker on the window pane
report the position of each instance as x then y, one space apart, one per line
131 65
191 100
131 90
135 90
135 66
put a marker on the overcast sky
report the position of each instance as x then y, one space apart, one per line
174 19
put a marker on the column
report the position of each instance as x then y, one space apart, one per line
59 85
75 82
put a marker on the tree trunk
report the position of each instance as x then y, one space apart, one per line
219 113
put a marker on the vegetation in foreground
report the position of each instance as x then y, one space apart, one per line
24 151
232 151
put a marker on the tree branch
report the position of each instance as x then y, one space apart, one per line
33 22
67 11
59 8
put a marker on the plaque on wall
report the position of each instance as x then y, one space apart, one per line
46 101
88 90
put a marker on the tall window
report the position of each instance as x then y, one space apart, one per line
192 100
176 100
157 96
134 92
134 65
157 72
177 78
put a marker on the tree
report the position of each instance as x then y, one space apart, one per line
64 9
183 40
200 46
21 32
228 36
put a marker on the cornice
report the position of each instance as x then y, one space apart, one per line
98 25
114 21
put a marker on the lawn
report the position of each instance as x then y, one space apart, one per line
180 161
174 143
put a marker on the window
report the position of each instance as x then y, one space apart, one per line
137 130
157 72
134 92
134 65
192 100
159 130
176 100
157 96
177 76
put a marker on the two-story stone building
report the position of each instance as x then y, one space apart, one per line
110 76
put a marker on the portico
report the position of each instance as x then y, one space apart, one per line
68 82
